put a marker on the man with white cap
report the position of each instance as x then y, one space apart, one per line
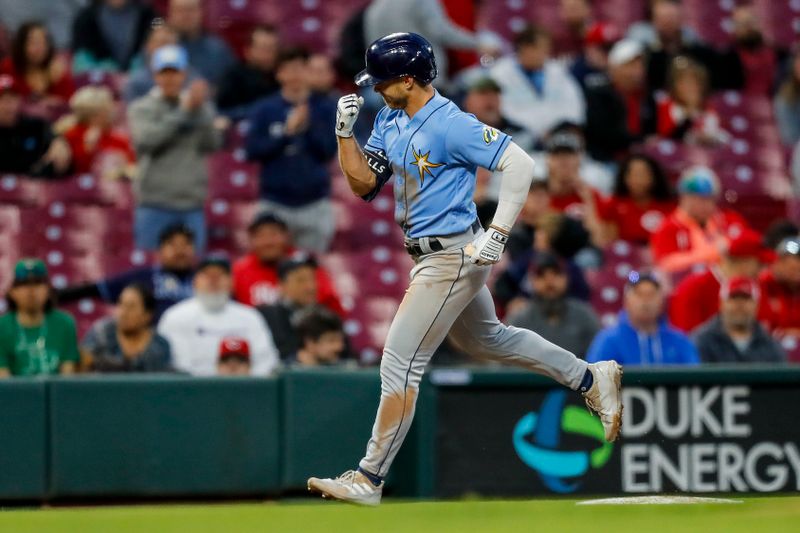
698 232
619 107
172 131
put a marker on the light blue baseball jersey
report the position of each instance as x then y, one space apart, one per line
434 157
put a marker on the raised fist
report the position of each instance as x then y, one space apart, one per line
347 113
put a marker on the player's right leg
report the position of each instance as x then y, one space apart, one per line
478 332
442 285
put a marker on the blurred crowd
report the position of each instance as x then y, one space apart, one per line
588 102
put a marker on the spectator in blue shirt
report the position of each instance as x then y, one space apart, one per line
169 280
290 136
643 336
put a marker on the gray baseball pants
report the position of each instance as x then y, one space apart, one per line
448 297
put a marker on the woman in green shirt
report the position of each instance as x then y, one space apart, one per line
35 338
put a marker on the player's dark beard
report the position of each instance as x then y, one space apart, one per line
399 102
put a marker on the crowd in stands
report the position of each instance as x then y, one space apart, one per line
657 230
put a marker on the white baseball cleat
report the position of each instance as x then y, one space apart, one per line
604 396
351 487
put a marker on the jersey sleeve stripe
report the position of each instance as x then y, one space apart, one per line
500 148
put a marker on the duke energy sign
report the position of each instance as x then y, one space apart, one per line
688 438
714 439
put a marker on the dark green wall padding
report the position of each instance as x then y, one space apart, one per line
164 437
23 439
93 437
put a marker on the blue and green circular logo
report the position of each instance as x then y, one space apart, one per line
537 437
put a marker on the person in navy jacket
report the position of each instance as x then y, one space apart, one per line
643 336
290 137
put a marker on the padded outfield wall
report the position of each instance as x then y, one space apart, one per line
477 431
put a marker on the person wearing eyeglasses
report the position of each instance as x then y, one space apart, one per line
643 336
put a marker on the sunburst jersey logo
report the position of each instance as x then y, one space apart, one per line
422 163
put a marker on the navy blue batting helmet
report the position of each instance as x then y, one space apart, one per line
398 55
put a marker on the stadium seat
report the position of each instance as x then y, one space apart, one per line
377 216
379 271
626 253
9 255
712 19
621 13
346 282
607 286
230 178
791 343
256 11
82 189
71 269
10 220
368 326
20 190
227 225
111 80
506 18
758 209
88 311
127 260
781 21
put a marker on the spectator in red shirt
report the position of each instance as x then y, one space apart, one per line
779 309
642 200
685 113
696 298
697 233
96 146
40 74
255 276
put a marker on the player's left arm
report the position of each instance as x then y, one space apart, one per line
473 143
516 168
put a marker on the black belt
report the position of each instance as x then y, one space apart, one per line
415 250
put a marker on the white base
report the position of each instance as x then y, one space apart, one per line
657 500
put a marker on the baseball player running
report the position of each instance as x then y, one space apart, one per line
433 149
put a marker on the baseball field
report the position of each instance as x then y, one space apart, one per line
768 514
